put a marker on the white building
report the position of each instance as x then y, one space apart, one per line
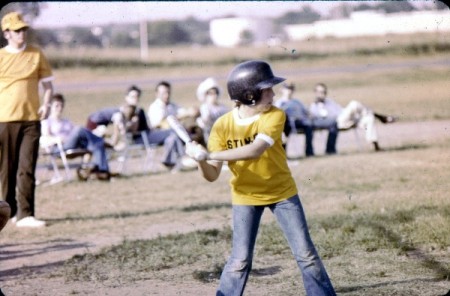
229 32
369 23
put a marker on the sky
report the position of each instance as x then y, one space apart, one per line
60 14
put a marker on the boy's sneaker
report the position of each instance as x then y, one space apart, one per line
30 221
13 220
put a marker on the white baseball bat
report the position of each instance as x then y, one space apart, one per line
176 125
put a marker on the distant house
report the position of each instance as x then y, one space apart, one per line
371 23
230 32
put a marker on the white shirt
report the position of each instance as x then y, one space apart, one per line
56 127
158 111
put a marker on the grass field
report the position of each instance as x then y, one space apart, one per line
381 221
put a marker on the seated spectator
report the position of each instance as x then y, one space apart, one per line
297 116
125 120
163 107
73 137
129 118
99 120
208 93
326 113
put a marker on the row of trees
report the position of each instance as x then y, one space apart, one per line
190 30
127 35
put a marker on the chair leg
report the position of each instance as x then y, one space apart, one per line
149 163
56 178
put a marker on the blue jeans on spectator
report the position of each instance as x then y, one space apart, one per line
307 128
83 138
331 125
291 218
173 146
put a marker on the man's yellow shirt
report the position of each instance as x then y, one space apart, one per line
20 73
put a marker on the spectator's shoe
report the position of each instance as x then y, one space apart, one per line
385 118
31 222
83 173
85 170
103 175
376 146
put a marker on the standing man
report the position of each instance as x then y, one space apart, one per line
22 67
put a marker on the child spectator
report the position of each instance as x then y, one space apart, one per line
208 93
73 137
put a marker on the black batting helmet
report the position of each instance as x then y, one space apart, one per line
247 80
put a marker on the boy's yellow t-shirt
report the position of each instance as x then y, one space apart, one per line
20 73
262 181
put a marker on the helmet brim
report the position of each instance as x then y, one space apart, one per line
270 82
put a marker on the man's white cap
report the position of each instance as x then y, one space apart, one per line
206 85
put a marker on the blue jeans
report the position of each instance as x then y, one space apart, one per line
83 138
291 219
173 146
307 128
331 125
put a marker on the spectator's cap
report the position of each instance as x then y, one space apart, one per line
206 85
290 86
13 21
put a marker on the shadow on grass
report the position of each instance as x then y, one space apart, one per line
405 147
383 284
260 272
208 276
15 251
125 214
30 271
352 227
440 270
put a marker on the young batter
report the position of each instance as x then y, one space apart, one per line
249 138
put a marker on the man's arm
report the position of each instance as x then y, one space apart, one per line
44 110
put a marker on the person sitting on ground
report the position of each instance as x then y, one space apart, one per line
73 137
99 120
208 93
297 116
326 113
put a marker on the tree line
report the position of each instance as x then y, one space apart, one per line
187 31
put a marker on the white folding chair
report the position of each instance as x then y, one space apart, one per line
144 150
47 145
